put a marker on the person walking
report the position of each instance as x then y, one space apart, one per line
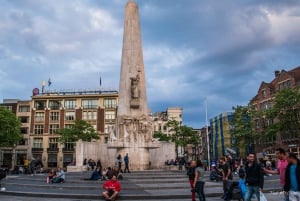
126 161
191 175
292 178
119 162
254 178
32 165
282 164
198 184
226 175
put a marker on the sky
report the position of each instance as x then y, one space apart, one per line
198 54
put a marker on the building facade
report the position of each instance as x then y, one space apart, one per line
11 156
264 100
200 151
220 135
46 113
160 119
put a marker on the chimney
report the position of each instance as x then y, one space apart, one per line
277 73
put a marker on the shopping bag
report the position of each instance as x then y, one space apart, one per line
262 197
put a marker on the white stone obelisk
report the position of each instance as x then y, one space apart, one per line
133 126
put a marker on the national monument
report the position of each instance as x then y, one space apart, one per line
134 126
133 130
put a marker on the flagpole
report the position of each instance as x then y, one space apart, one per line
207 135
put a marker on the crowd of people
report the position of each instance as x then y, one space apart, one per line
251 173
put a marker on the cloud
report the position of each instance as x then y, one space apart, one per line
196 50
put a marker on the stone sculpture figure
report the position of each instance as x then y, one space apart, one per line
135 86
112 134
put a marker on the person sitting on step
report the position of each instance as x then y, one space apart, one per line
50 176
112 189
59 177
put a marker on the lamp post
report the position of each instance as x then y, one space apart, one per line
207 136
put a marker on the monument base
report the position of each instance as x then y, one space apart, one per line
73 168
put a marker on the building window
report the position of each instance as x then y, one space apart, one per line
264 93
69 145
54 116
53 128
54 104
24 120
24 130
89 115
24 108
89 104
39 116
70 116
40 105
53 143
38 143
70 104
69 125
38 129
22 142
110 115
110 103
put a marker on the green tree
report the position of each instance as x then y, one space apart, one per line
181 135
161 136
285 114
242 128
80 131
10 128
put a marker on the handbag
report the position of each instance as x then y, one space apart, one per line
262 196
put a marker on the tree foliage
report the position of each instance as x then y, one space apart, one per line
283 118
181 135
80 131
10 128
285 113
161 136
242 128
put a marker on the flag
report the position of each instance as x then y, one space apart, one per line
49 82
100 81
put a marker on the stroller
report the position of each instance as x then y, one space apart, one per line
233 191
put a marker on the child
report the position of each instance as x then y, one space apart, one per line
242 184
50 175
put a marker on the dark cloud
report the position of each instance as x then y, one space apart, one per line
193 50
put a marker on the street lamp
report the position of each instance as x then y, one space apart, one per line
207 135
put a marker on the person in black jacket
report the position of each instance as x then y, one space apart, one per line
292 178
254 178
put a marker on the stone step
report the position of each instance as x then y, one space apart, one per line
134 186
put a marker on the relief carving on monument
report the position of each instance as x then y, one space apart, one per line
136 129
135 91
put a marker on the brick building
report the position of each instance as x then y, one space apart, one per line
264 100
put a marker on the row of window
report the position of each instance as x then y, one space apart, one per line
53 128
70 116
69 104
53 143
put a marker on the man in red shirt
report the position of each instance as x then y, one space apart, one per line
113 188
